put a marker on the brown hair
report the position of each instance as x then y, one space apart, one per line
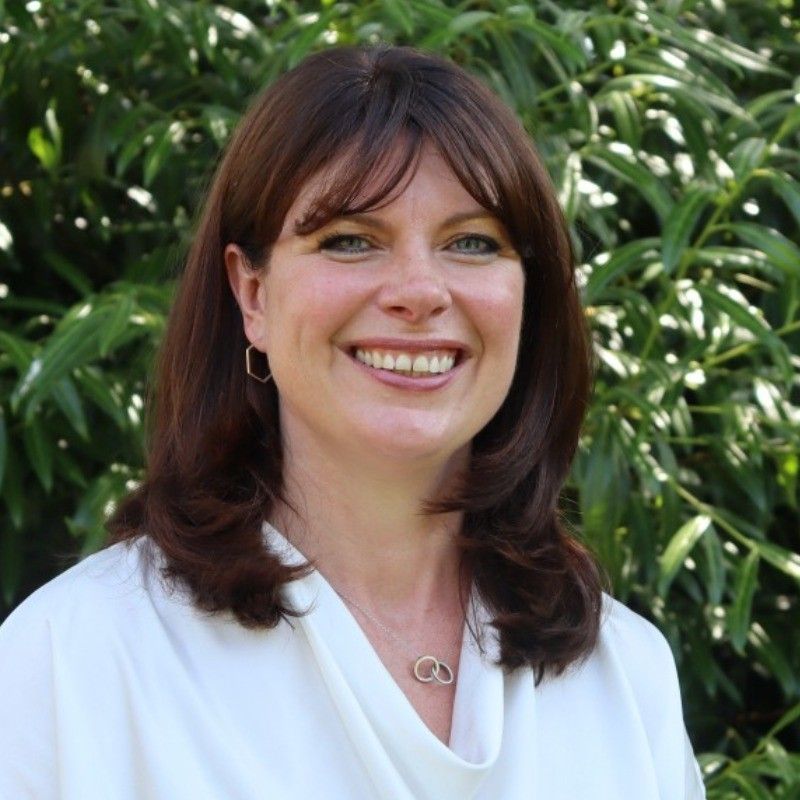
214 466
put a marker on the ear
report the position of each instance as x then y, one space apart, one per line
248 289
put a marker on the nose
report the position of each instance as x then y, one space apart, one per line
416 288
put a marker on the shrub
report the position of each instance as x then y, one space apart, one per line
671 130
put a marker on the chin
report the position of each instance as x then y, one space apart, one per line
410 443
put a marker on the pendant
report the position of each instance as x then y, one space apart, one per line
438 670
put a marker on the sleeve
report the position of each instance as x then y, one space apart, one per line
28 768
646 657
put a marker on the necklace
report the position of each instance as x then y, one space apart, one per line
426 668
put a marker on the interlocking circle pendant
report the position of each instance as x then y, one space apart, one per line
437 671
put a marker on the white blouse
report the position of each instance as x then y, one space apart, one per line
115 688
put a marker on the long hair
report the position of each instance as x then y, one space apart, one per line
214 459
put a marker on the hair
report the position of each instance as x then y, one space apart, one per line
214 457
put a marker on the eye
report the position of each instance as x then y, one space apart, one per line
347 243
475 245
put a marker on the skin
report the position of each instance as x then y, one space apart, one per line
362 456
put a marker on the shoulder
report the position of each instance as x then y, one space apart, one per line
637 653
102 586
633 639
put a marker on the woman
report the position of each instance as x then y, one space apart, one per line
344 575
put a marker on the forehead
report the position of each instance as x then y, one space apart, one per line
401 181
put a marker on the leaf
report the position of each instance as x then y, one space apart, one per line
627 169
39 447
746 156
713 566
781 252
738 619
12 488
627 118
708 45
682 90
159 151
568 195
94 386
679 547
43 149
116 323
788 190
69 401
786 561
681 224
401 13
463 23
787 719
624 260
773 658
19 350
741 316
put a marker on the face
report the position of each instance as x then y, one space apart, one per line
391 334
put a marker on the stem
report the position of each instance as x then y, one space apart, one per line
741 349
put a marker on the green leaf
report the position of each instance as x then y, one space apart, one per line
680 225
679 547
741 315
39 447
18 350
43 149
465 22
708 45
788 190
160 150
94 386
713 566
779 250
746 156
681 89
117 322
786 561
624 260
401 13
627 118
773 658
627 169
738 619
69 401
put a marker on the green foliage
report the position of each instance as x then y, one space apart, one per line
672 132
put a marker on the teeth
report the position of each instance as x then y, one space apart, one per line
406 363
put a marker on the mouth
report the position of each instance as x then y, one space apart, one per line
410 363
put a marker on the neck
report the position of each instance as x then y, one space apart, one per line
362 525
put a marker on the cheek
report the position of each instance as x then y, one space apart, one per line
306 308
499 311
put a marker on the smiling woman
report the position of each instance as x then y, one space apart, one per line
345 575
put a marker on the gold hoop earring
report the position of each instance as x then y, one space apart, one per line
249 367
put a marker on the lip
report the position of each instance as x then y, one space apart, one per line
423 383
408 346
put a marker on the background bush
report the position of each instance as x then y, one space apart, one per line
671 129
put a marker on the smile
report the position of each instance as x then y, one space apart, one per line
433 362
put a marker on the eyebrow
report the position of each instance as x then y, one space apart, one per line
371 221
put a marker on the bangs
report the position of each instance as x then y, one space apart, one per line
343 189
393 153
358 139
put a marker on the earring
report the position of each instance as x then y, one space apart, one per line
249 367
